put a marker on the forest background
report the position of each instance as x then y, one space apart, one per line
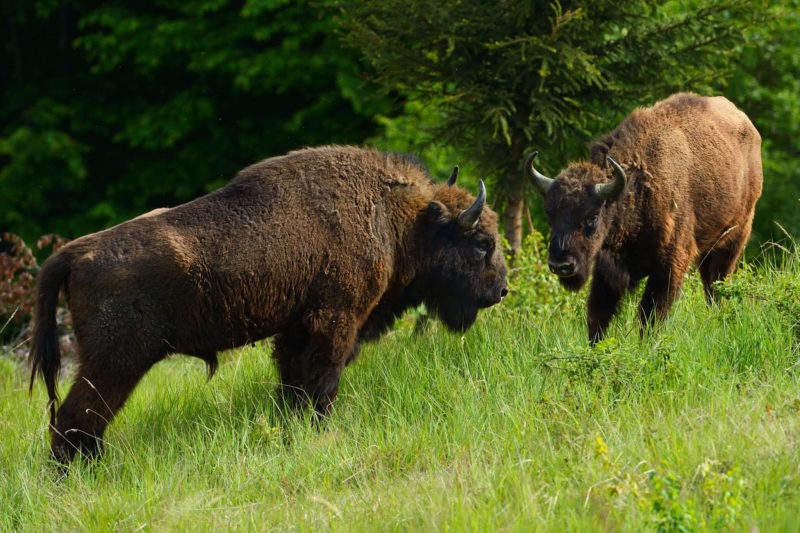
109 109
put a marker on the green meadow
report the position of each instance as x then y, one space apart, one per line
516 425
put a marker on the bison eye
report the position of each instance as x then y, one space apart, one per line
591 222
480 249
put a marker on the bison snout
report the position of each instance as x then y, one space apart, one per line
563 269
502 292
495 295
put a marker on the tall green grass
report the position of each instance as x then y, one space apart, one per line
515 426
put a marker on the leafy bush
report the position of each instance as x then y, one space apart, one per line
711 500
18 267
764 284
532 285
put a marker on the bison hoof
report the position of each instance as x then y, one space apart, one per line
65 447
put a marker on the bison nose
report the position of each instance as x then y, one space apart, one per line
563 269
501 293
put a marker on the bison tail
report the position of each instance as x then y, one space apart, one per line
45 355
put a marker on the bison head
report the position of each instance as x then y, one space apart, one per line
577 205
465 263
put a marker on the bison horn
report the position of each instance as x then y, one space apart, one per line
542 182
468 218
453 177
609 191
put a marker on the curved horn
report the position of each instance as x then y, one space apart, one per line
468 218
542 182
609 191
453 177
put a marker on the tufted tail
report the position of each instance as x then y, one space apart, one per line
45 356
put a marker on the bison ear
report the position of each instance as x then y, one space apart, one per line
453 176
438 213
599 152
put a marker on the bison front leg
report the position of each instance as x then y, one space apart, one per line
310 366
609 283
603 302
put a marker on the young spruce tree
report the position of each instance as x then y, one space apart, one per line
507 77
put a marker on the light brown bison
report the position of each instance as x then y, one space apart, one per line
675 183
320 249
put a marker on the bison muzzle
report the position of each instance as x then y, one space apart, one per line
320 249
673 184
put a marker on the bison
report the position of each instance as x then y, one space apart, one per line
320 249
673 184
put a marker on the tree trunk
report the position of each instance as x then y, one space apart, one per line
513 212
515 200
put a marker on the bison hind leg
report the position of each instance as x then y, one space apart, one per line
94 399
720 261
104 380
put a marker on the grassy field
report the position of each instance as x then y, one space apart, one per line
515 426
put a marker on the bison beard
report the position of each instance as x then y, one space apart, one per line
684 190
456 316
575 282
320 249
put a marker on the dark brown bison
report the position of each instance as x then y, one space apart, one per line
674 184
320 249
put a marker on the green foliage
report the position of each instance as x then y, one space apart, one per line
405 133
766 85
712 500
749 285
531 281
722 492
671 512
45 166
111 109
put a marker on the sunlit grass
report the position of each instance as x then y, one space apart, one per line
517 425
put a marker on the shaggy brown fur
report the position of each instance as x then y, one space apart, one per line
693 167
321 248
